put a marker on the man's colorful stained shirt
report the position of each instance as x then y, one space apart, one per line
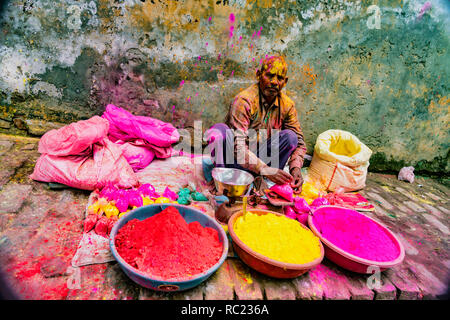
245 113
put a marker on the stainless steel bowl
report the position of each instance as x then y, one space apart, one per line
231 182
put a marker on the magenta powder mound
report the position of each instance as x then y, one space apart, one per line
356 234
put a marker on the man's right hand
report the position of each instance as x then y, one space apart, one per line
276 175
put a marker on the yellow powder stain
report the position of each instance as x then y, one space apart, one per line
245 275
278 237
278 67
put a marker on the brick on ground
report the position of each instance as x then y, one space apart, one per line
433 210
86 283
246 285
5 146
384 203
428 283
5 175
220 285
436 224
386 290
13 196
119 285
358 286
279 289
5 220
333 282
404 281
191 294
307 288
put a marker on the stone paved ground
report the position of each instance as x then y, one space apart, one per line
41 228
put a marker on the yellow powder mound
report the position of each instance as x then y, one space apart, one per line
278 238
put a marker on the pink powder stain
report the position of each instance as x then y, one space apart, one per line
425 7
209 18
232 18
356 234
181 83
206 44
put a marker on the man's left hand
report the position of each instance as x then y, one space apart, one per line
297 183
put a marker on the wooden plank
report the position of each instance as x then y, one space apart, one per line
147 294
380 199
405 282
358 287
333 283
386 291
428 283
436 223
220 285
307 288
246 285
278 289
191 294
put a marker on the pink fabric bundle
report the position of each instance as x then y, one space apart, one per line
150 137
81 156
74 139
138 156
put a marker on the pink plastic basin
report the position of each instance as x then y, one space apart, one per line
349 261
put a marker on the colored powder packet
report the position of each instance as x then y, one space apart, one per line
283 190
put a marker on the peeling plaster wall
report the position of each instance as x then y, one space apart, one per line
378 69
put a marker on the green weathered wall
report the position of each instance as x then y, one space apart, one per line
386 83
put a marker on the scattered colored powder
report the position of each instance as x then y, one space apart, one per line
356 234
166 246
278 238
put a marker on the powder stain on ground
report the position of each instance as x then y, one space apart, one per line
278 238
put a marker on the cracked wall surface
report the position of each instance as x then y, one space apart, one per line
378 69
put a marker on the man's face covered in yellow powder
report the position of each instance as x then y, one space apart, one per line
272 76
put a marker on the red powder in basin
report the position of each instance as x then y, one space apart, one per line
356 234
165 245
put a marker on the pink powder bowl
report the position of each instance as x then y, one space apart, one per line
354 241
